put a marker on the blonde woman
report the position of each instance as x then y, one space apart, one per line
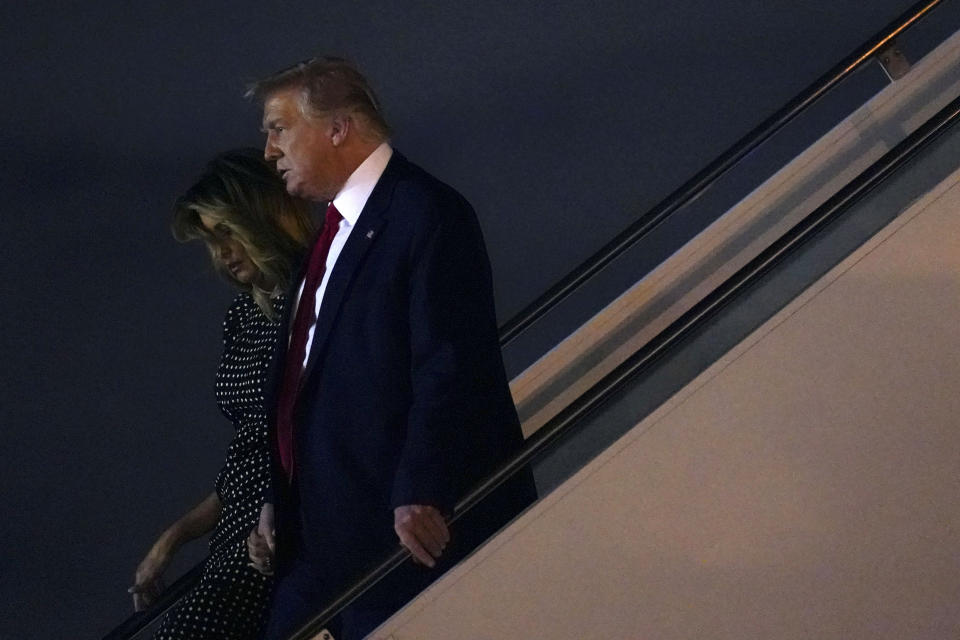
256 234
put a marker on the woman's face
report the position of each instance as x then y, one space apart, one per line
229 252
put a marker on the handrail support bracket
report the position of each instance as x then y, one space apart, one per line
893 61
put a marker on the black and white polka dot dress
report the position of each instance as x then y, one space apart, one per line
230 601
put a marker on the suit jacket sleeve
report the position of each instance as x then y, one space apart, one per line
453 341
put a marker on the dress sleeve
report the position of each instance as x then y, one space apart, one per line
232 323
233 319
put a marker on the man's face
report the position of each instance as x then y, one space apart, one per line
301 147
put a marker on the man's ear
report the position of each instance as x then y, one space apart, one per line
339 128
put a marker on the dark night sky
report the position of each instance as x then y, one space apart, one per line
560 122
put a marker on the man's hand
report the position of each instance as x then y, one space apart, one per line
422 530
261 543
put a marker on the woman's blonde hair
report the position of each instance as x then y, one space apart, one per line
241 191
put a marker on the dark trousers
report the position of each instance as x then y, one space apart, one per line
300 593
296 599
305 585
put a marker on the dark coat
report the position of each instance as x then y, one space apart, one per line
404 399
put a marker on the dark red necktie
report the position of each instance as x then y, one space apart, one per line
306 315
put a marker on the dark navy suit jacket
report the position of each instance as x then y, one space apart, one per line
404 398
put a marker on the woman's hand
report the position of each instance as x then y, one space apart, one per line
148 580
261 545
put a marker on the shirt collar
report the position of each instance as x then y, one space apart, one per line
356 191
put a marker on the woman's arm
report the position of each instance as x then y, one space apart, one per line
148 580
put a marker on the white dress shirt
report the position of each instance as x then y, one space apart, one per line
349 202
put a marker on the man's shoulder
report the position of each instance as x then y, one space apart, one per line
416 182
422 195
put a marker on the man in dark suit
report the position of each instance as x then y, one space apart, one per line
390 396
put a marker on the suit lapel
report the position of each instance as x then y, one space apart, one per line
365 233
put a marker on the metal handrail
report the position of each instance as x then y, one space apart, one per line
698 184
614 382
139 621
644 225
